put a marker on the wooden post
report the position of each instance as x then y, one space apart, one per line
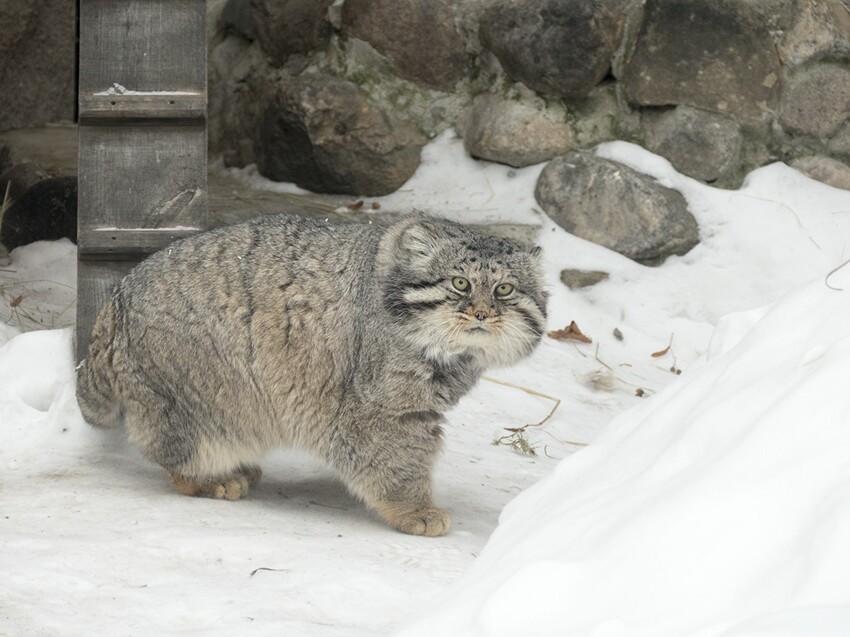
143 139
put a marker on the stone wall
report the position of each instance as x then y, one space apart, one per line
718 88
37 62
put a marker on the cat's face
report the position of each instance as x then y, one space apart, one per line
462 292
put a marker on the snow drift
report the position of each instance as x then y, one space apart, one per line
721 506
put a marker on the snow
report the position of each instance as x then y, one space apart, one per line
717 504
118 89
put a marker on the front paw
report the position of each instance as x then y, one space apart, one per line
429 521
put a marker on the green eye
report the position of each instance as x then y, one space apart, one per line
504 289
460 284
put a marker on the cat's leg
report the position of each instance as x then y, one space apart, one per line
229 487
389 465
196 463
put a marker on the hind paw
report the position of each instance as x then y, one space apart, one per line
232 487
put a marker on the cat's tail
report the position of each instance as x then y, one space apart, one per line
96 393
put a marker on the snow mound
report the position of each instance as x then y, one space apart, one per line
35 368
721 506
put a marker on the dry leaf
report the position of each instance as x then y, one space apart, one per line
376 205
665 350
571 332
357 205
639 392
16 301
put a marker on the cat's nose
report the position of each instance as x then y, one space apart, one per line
481 315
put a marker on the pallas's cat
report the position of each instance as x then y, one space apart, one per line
345 340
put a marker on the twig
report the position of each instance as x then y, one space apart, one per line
5 201
833 271
265 568
516 438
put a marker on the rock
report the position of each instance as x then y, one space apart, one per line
237 16
817 101
610 204
239 80
513 132
561 48
38 53
284 27
698 143
418 36
717 56
575 279
45 212
825 169
20 178
839 144
821 30
322 134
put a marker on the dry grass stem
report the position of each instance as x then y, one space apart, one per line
831 272
516 439
616 377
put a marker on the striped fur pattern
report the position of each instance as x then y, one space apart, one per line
349 341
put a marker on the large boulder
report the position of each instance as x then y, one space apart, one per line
239 80
718 56
19 178
284 27
322 134
418 36
817 101
513 132
615 206
698 143
561 48
45 212
824 169
237 16
38 53
821 30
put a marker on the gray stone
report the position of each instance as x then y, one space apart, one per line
717 56
839 144
610 204
821 30
561 48
825 169
285 27
239 81
237 15
16 180
322 134
602 117
418 36
576 279
698 143
513 132
38 62
817 101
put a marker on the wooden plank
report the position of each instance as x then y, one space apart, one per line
148 45
143 142
95 282
128 243
142 177
136 108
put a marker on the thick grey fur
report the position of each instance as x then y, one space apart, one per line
346 340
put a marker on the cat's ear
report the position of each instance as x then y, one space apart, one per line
413 241
420 240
